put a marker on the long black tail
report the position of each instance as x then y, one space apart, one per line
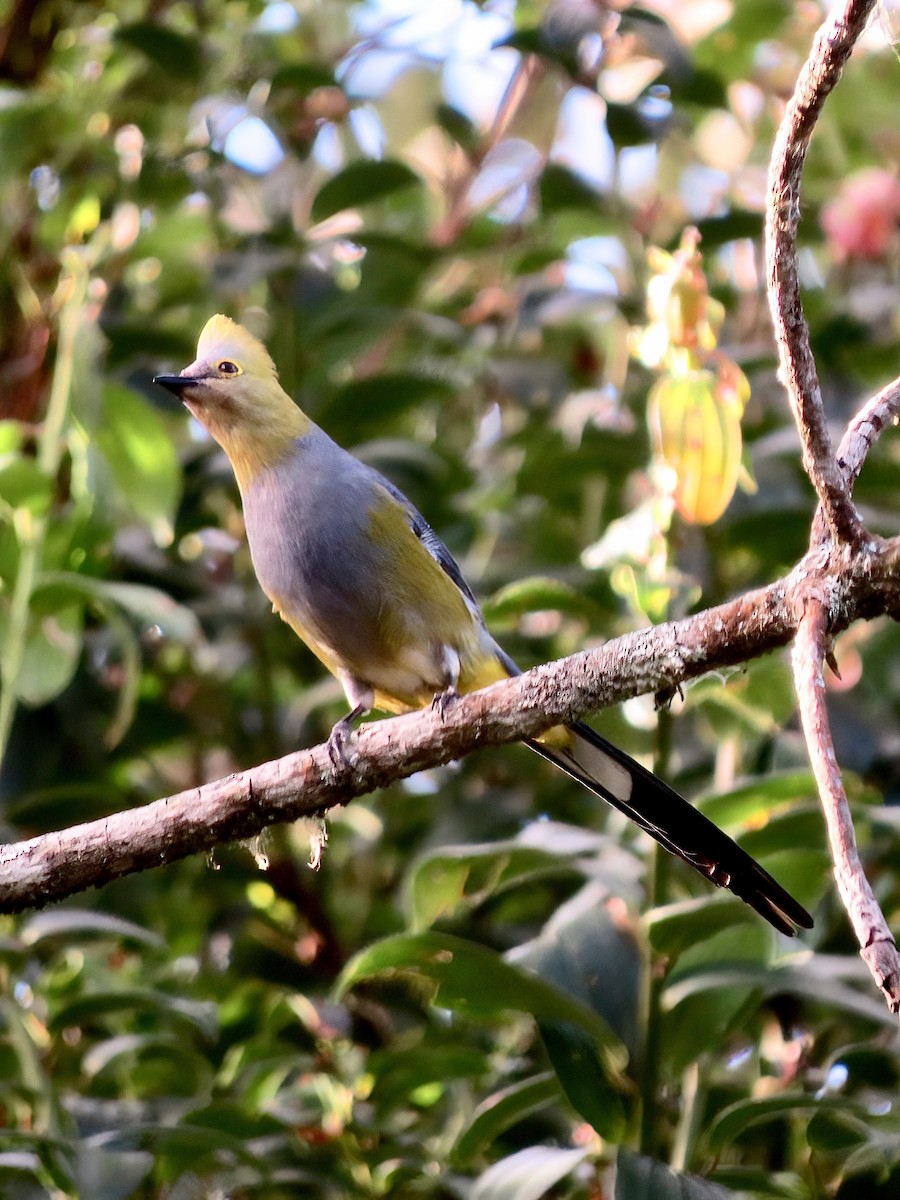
609 773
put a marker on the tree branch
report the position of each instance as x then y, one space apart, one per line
877 946
55 865
866 428
822 70
862 433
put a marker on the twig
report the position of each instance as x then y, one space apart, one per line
55 865
822 70
862 433
877 946
866 428
526 74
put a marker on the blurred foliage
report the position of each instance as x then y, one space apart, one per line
438 216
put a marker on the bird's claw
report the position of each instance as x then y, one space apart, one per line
444 700
338 744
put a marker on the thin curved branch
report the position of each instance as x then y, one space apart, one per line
876 942
822 70
55 865
862 433
866 428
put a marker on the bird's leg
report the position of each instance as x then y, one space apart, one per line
360 698
450 693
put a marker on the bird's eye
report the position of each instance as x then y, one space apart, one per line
229 368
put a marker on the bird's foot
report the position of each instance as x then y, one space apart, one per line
339 749
444 700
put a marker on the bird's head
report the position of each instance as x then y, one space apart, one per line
232 388
232 378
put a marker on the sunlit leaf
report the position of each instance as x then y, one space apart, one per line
139 450
52 652
528 1174
24 485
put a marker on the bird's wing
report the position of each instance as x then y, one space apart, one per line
433 545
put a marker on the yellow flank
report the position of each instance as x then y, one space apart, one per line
412 573
557 738
481 673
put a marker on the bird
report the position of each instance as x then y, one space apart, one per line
352 566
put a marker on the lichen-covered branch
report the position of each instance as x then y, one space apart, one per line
822 70
877 946
55 865
866 428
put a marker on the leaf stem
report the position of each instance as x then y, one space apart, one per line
31 528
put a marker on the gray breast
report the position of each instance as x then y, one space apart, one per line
307 521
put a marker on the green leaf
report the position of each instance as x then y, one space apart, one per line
188 1144
475 981
501 1110
141 455
399 1074
458 126
584 953
562 189
442 882
301 78
84 922
580 1071
734 1120
199 1016
361 183
641 1178
628 127
528 1174
24 485
757 1182
370 403
834 1130
52 652
537 593
149 605
158 1065
758 797
677 927
168 50
771 980
736 223
12 435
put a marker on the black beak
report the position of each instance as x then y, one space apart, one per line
175 383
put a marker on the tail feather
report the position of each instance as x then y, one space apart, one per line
659 810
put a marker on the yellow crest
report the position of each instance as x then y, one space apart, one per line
224 338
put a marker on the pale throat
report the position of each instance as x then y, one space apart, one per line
252 449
